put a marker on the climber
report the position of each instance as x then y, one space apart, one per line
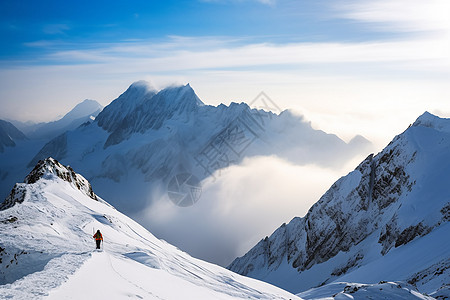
98 238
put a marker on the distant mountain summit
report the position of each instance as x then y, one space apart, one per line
9 134
386 220
85 111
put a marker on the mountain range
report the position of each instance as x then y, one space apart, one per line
380 232
146 137
144 141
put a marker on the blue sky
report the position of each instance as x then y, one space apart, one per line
32 28
344 64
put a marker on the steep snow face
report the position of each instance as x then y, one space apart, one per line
385 213
8 135
113 114
47 250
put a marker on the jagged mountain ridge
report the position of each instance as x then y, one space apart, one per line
47 250
152 112
389 204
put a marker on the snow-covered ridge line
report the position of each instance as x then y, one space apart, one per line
47 251
52 166
429 120
46 169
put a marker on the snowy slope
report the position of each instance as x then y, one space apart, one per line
9 135
381 290
46 227
386 220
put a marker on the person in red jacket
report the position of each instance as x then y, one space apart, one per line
98 238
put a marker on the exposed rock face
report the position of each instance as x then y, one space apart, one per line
46 169
348 212
17 195
380 197
53 167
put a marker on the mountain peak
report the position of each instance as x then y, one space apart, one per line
113 114
173 102
180 94
432 121
50 167
142 84
84 108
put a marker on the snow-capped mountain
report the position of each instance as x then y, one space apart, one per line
386 220
9 134
81 113
46 250
144 138
112 115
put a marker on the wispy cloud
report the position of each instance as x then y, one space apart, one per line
55 29
185 53
400 15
